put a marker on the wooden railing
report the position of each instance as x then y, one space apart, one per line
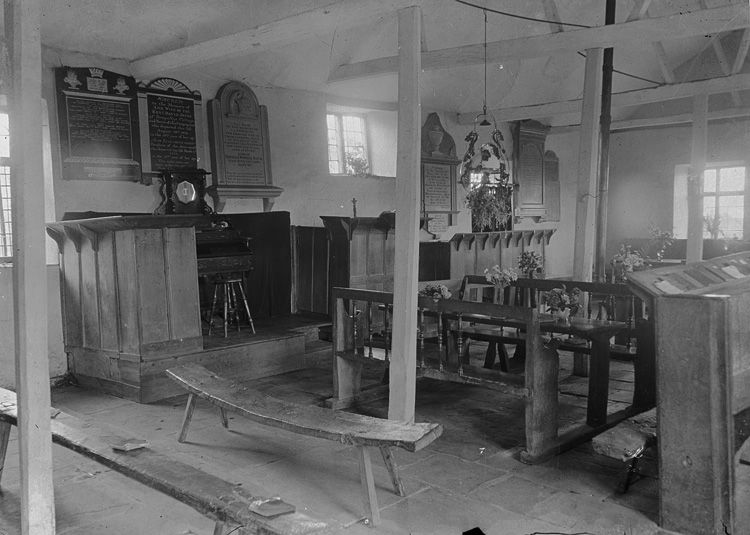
602 301
362 326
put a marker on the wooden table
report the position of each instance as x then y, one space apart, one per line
543 437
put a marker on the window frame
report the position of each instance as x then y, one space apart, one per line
718 193
6 162
340 146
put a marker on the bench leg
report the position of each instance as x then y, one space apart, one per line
390 463
4 438
369 498
224 420
189 408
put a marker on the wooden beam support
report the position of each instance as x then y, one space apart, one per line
639 10
588 167
22 25
402 376
551 13
293 29
739 59
695 179
666 70
624 99
668 120
676 26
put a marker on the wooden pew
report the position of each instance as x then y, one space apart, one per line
341 427
227 503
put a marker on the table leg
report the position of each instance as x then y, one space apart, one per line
596 414
542 403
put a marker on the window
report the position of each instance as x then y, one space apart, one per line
6 237
724 202
347 144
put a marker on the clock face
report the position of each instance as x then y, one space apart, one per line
185 192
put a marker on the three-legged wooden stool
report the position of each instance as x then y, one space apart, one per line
230 286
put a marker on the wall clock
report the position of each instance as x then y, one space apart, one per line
183 192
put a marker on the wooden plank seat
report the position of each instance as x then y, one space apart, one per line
341 427
627 442
232 506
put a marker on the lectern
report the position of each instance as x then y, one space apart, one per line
703 388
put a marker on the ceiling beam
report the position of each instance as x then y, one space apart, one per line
640 7
635 97
661 55
295 28
551 12
667 120
739 59
674 26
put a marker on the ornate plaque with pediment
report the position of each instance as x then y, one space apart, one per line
97 111
171 126
240 148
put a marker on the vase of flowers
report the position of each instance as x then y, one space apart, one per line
435 291
561 303
530 262
625 261
500 277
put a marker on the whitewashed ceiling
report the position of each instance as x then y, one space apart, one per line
136 29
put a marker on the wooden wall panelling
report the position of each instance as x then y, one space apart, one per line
269 284
319 271
90 296
528 150
109 313
151 286
127 298
358 259
389 259
72 315
304 265
551 186
182 284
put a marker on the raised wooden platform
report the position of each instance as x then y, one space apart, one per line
280 345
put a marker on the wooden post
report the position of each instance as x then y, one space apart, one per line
588 166
403 375
695 179
22 21
604 124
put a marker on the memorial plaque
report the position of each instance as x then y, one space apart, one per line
171 127
239 145
437 187
98 119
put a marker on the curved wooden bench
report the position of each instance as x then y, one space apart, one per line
342 427
225 502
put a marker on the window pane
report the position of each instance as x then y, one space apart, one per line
731 215
709 180
6 241
4 138
732 179
709 216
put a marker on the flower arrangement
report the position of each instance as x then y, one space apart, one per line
626 261
559 299
500 277
659 241
436 291
357 165
529 262
490 208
